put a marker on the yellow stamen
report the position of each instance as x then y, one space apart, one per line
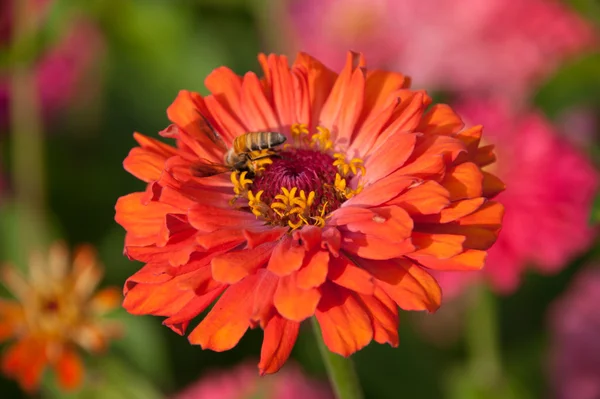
240 182
258 207
322 139
299 132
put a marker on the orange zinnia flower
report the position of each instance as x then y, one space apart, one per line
372 188
54 311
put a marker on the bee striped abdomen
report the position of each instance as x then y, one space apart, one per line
256 141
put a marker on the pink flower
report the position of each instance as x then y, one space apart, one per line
480 46
61 69
575 351
550 187
242 382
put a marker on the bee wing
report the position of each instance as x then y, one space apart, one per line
205 168
208 129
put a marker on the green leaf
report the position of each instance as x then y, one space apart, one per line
144 347
577 83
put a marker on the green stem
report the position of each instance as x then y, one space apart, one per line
342 374
482 338
26 136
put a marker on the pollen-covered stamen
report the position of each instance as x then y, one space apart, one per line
299 132
260 159
322 139
303 184
240 183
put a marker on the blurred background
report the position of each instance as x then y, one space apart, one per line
77 78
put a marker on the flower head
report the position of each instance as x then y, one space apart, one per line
242 382
56 309
575 353
550 191
372 188
61 69
469 48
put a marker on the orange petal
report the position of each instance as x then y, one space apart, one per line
293 302
262 306
492 185
287 257
225 87
405 118
163 299
345 273
464 181
25 361
187 113
432 154
280 337
233 266
228 320
333 107
320 81
379 86
314 270
384 316
142 221
381 191
147 163
411 287
391 223
390 156
179 321
371 128
372 247
423 199
208 218
309 237
469 260
489 214
12 318
257 112
440 119
106 300
282 85
456 210
441 246
351 109
345 326
255 238
485 155
69 369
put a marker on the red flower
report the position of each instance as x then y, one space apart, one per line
371 189
55 311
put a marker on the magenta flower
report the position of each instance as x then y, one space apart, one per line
243 382
61 69
482 46
575 350
550 187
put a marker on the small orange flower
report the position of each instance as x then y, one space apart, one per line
372 188
54 311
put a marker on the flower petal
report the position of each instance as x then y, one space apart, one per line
293 302
345 326
233 266
287 257
407 284
280 337
69 368
228 320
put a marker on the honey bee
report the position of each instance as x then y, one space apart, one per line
239 157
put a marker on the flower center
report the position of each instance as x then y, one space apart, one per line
302 183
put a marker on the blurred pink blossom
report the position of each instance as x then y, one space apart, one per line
575 350
242 382
550 187
61 69
484 46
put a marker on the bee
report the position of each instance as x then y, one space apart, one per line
240 156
